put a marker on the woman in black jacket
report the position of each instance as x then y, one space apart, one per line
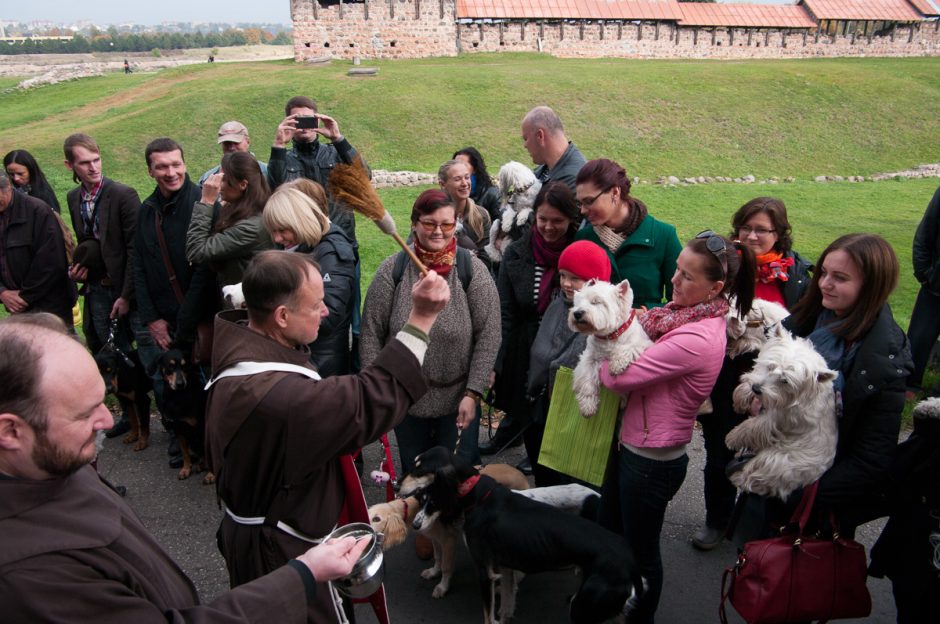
296 217
26 175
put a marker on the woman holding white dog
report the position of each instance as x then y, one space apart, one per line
782 277
642 249
845 314
666 386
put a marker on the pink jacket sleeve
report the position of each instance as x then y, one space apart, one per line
674 356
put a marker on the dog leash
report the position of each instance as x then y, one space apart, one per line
111 345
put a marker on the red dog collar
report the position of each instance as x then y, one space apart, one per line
619 331
404 502
464 488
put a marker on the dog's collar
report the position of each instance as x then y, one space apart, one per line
467 486
619 331
404 513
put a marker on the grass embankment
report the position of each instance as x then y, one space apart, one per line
798 118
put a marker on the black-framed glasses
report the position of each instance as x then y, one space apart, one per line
587 202
746 230
715 243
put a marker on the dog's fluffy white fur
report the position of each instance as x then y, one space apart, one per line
600 309
518 188
928 408
233 295
794 435
750 334
570 497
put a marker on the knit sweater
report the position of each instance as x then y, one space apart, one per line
464 340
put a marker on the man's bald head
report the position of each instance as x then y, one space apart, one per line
543 117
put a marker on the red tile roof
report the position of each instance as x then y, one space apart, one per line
664 10
747 15
927 7
888 10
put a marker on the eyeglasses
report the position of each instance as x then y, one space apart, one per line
587 202
746 230
430 226
717 246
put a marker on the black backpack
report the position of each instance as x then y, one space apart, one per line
463 264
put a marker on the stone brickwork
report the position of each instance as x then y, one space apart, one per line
422 28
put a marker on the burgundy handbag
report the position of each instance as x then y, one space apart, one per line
797 578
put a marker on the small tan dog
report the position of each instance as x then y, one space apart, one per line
394 518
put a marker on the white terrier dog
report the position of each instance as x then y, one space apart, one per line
518 187
754 330
605 311
793 436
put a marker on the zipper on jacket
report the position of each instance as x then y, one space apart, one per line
646 427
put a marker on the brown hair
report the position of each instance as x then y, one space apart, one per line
243 167
299 101
878 264
273 278
734 265
775 209
605 174
558 195
79 139
313 190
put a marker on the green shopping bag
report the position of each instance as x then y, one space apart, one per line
574 445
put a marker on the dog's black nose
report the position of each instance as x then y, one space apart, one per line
577 314
756 389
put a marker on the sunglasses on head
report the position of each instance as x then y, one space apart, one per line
715 243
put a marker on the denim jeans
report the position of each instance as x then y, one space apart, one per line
923 332
417 435
646 487
96 321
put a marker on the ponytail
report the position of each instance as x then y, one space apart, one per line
742 283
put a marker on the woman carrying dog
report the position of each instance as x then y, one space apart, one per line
782 277
229 239
458 362
297 220
666 386
642 249
845 314
473 222
528 279
26 175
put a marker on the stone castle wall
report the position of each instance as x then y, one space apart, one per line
422 28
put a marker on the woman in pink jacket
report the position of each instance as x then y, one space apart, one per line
666 386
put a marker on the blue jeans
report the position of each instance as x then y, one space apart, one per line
646 487
923 332
96 321
417 435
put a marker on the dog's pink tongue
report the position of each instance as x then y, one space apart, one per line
755 406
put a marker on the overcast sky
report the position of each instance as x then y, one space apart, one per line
147 11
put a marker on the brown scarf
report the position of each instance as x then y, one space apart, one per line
439 261
660 321
635 217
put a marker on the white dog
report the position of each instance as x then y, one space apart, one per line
233 295
794 435
518 187
605 311
754 330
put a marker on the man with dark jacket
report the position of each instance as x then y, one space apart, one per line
104 218
545 140
925 320
33 265
71 550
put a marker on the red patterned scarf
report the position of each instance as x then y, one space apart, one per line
440 261
773 266
660 321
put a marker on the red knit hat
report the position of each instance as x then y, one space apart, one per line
586 260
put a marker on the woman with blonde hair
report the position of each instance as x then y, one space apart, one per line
473 222
297 222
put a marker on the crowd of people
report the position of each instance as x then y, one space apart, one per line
417 356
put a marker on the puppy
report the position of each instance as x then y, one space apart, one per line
126 379
750 334
184 406
794 435
518 187
509 534
605 312
392 520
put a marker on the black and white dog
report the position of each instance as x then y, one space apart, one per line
508 533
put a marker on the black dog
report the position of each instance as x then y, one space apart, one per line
507 532
184 406
127 380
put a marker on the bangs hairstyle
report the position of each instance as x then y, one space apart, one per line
295 211
605 174
429 202
273 278
243 167
162 145
878 265
775 210
558 195
741 275
299 101
472 219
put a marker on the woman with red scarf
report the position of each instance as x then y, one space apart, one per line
782 276
464 340
526 282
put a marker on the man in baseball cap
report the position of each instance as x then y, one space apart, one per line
233 137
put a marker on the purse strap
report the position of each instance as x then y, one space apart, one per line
161 241
804 509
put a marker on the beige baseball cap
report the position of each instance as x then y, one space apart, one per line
233 131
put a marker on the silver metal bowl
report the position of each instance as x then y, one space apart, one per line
367 574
